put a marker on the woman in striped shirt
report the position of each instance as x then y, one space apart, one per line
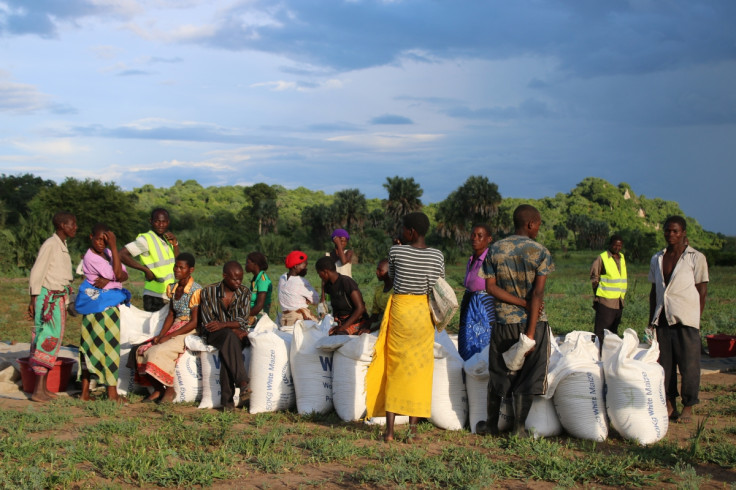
399 379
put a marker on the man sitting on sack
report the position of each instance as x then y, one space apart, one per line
295 291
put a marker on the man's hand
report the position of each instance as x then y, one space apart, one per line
214 326
150 276
171 239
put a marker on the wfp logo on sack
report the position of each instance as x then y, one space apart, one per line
326 363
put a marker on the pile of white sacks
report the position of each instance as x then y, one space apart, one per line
304 368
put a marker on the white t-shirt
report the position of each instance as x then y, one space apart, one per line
294 292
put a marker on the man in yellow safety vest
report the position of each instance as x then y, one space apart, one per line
157 249
608 277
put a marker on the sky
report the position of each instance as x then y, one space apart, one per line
336 94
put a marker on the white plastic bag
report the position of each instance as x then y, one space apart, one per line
311 367
542 420
272 387
449 396
514 357
349 367
188 378
636 400
136 326
575 383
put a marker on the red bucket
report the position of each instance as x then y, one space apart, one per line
57 380
721 345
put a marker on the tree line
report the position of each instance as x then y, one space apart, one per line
217 222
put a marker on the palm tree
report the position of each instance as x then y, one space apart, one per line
403 197
476 201
350 205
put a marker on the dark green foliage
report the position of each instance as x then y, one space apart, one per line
16 192
350 209
320 219
639 246
476 201
91 201
403 198
262 212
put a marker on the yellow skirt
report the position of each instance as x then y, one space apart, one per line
399 379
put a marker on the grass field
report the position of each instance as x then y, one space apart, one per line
72 444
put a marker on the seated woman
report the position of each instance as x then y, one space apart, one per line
347 301
261 286
99 296
477 311
157 359
341 255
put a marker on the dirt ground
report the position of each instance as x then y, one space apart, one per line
332 475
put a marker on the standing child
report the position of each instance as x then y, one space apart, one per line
99 296
157 359
49 287
381 294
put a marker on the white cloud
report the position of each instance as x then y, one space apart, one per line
386 141
20 97
55 147
283 85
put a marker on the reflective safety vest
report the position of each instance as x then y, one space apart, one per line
613 283
160 260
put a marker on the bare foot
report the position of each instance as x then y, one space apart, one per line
388 437
152 397
169 395
686 416
41 397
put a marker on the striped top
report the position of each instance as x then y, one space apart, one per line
415 270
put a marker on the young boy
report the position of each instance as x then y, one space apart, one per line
157 249
381 294
516 270
50 286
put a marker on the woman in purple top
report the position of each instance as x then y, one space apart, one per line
477 312
99 296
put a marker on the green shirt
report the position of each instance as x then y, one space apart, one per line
261 284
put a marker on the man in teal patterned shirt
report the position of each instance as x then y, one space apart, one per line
516 270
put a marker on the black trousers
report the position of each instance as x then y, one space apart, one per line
679 347
606 319
152 304
232 369
531 379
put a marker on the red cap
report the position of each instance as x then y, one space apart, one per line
295 258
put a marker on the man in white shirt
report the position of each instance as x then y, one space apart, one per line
295 291
679 277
